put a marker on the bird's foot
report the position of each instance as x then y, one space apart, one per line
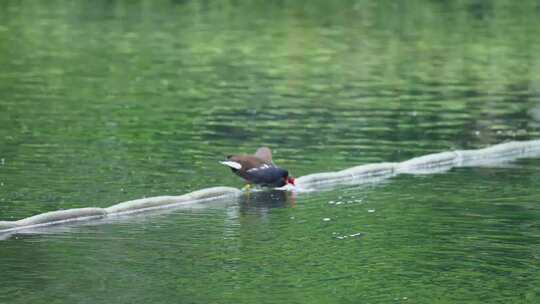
247 187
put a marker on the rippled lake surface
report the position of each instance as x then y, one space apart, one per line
106 101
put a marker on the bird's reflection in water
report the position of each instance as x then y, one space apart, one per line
262 201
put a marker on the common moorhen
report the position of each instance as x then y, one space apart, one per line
259 169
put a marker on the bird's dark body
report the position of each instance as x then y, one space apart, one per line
272 177
259 169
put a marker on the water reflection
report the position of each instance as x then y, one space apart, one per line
265 200
327 85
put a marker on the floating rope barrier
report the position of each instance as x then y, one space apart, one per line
427 164
129 207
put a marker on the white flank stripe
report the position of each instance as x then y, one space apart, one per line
261 167
231 164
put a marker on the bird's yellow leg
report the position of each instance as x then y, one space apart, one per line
247 187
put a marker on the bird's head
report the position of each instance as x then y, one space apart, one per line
288 179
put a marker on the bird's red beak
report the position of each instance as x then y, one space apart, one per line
290 180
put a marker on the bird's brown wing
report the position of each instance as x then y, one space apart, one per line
247 161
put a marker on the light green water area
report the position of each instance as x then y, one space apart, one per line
107 101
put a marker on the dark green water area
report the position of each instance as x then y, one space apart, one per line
107 101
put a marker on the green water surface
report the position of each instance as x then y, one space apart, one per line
107 101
